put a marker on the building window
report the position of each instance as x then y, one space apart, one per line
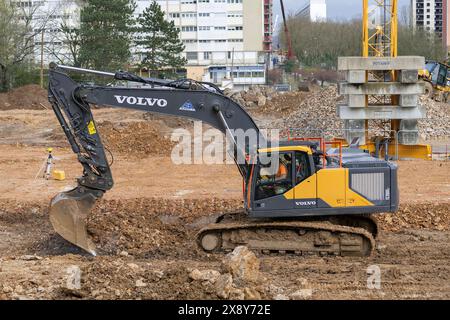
235 28
234 15
192 55
204 14
189 28
188 14
206 55
220 28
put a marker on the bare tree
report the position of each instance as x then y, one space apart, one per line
64 34
319 44
19 27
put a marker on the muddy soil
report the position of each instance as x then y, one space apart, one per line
148 252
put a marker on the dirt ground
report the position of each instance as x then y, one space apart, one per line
145 226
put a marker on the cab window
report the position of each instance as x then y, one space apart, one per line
302 167
275 177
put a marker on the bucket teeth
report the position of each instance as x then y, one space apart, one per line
68 213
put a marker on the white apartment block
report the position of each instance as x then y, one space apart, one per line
429 15
44 18
225 40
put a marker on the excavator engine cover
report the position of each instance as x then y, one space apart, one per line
68 213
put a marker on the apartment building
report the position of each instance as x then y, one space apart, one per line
429 15
44 19
226 41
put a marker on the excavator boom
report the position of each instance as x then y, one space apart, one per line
71 103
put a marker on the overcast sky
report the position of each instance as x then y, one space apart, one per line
336 9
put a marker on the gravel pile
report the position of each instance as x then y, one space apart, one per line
315 114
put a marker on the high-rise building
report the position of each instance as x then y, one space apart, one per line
268 25
315 10
429 15
226 41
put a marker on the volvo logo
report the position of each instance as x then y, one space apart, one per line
305 203
141 101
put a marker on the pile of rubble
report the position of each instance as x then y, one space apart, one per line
311 112
240 279
282 105
314 113
255 96
436 125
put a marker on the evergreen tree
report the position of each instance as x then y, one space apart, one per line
106 28
159 40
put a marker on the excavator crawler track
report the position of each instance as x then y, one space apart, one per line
282 237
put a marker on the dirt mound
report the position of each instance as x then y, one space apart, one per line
283 104
426 215
30 96
137 139
153 226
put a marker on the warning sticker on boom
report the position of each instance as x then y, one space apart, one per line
91 128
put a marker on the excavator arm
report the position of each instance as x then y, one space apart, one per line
71 103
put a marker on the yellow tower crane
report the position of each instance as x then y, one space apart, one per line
379 39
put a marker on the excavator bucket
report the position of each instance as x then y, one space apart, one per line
68 213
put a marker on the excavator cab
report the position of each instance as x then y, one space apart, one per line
278 172
340 183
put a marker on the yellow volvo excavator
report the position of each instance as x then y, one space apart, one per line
298 198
